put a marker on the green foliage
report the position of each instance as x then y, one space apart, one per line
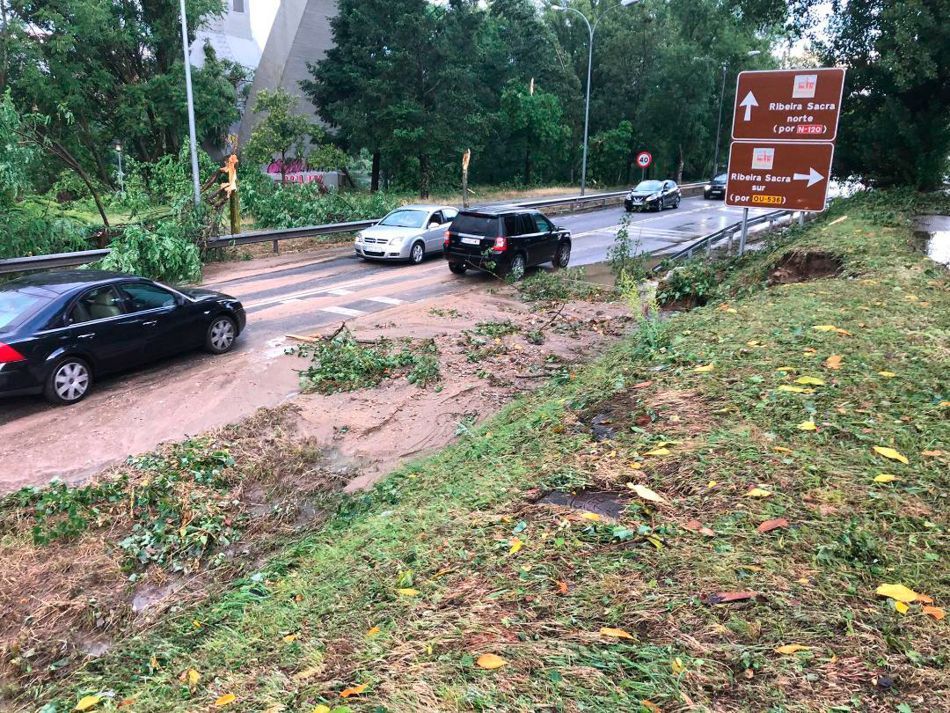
29 230
559 286
496 329
283 132
15 156
344 364
692 283
625 257
534 124
163 252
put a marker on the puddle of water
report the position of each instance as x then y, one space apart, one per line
936 245
94 647
610 505
148 595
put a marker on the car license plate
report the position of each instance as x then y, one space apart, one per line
472 241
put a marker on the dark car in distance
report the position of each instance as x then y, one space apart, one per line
505 241
653 195
59 331
716 188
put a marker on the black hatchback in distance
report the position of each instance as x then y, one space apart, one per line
716 188
505 241
59 331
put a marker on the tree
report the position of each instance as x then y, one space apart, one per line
282 131
533 120
895 121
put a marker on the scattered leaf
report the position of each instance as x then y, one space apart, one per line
307 673
901 607
373 631
643 385
782 449
936 612
791 649
408 592
832 328
676 665
891 453
650 706
704 369
885 478
561 587
795 389
786 368
758 493
807 426
712 483
769 525
931 454
192 677
644 492
897 592
490 661
353 691
809 381
614 633
322 708
655 541
833 362
290 638
694 525
887 374
225 700
590 516
924 599
636 466
728 597
87 703
516 545
658 452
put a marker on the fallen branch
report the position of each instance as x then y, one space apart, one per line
551 321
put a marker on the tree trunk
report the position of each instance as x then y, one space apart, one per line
424 175
679 167
527 166
283 174
374 180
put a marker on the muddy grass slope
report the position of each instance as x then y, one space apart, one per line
731 488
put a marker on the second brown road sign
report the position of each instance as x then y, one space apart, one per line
785 175
788 105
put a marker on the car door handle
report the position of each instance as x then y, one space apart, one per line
87 336
151 323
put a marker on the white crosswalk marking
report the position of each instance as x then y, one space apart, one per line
386 300
344 311
339 291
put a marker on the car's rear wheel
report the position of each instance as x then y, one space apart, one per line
457 268
563 256
417 254
69 381
221 335
517 268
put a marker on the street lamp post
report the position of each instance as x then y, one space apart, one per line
121 175
590 61
191 106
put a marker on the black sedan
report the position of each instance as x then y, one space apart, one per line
716 188
653 195
61 330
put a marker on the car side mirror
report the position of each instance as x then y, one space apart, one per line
434 224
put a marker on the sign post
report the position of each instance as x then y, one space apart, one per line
644 159
784 125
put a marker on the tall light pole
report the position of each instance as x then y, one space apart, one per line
121 175
590 61
191 106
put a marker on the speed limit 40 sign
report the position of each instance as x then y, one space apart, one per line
644 159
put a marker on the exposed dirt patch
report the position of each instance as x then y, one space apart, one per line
804 266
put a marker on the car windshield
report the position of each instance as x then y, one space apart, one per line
405 219
649 186
721 178
16 307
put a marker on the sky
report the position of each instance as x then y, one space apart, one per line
262 17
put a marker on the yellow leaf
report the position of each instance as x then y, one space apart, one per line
791 649
782 449
655 541
321 709
677 666
887 374
936 612
225 700
901 607
944 404
795 389
897 592
658 452
891 453
87 703
636 466
885 478
831 328
809 381
490 661
833 362
807 426
590 516
650 705
353 691
373 631
644 492
290 638
193 677
407 592
732 310
786 368
712 483
758 493
516 545
615 633
704 369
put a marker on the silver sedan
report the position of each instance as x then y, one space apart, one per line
407 233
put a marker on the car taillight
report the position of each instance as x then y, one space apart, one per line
8 354
501 244
447 239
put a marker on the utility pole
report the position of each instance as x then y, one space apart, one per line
191 106
722 96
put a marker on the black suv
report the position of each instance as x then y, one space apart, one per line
504 241
716 188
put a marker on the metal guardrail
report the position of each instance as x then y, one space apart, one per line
708 241
49 262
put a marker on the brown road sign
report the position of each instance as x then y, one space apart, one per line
788 105
774 174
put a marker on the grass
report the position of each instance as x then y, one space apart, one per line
453 557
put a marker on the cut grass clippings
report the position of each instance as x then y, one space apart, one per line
454 561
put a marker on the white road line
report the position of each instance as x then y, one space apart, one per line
386 300
339 291
344 311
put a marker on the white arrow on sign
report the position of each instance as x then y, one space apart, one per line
748 103
812 177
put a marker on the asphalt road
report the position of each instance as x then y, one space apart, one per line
284 295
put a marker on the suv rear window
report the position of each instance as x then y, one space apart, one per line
475 224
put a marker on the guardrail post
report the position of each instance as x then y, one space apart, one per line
801 218
276 247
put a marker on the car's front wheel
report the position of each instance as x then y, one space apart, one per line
417 254
563 256
457 268
68 382
676 202
221 335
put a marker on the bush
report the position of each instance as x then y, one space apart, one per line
163 253
25 231
690 284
